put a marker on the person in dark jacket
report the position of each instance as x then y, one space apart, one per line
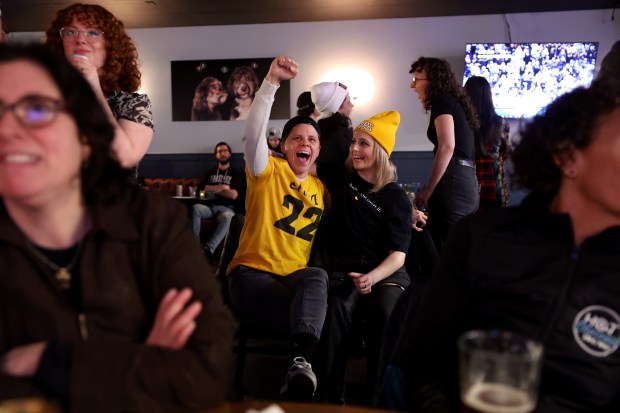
332 100
547 269
106 304
306 107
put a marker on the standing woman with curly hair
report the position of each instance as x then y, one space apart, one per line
452 188
95 42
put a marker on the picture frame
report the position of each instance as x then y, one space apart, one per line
222 89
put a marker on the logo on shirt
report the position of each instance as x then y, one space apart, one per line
221 179
363 196
300 190
597 330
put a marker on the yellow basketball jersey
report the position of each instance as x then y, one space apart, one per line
282 215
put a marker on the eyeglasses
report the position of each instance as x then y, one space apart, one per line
415 79
33 111
72 34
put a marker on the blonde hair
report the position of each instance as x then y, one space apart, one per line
386 170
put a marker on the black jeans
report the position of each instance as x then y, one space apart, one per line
456 196
293 304
347 307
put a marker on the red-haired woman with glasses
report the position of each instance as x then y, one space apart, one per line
95 42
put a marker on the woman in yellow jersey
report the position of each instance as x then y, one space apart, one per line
269 278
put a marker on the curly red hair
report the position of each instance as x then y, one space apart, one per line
120 70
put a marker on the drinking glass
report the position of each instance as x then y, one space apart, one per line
499 372
415 187
192 191
411 196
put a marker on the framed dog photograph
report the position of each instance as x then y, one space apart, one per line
222 89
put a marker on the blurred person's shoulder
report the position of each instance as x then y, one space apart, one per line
491 219
532 215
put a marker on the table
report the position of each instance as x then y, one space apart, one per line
294 407
35 405
191 200
29 405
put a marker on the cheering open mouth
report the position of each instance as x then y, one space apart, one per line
303 155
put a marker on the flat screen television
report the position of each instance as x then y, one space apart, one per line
526 77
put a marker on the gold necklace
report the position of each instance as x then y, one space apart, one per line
61 274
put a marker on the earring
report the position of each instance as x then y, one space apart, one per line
570 173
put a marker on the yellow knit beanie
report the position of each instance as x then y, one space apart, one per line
382 127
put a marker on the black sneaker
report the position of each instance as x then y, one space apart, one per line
300 382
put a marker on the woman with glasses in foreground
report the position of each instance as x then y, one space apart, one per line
95 42
104 302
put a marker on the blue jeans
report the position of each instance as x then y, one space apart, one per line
296 303
222 213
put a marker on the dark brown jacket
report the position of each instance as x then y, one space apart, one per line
137 249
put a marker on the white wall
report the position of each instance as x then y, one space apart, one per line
384 48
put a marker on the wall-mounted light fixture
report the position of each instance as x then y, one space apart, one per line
360 84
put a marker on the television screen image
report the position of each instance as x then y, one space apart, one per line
526 77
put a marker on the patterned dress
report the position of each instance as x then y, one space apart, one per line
131 106
135 107
491 172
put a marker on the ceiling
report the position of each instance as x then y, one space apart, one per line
34 15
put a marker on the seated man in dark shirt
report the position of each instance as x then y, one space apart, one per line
228 185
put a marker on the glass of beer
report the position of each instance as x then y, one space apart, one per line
499 372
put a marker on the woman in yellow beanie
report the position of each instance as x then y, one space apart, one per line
369 231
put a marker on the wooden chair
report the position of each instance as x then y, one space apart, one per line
252 337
